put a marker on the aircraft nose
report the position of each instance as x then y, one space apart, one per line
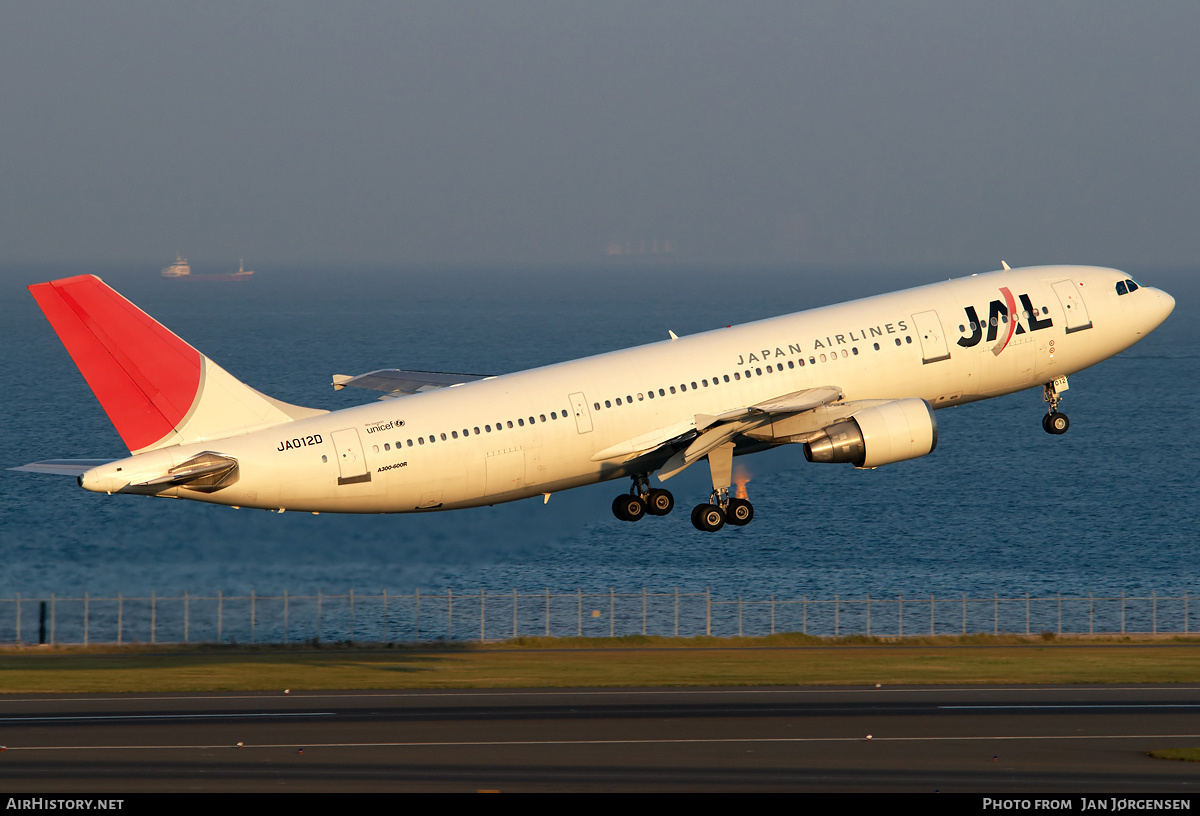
1166 304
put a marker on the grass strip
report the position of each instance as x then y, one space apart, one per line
780 660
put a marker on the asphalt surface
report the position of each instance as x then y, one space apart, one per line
995 740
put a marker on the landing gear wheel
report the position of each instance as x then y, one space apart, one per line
628 508
739 512
708 518
1055 423
660 502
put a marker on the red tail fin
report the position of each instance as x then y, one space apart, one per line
157 390
145 377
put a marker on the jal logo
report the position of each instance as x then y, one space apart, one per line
1002 313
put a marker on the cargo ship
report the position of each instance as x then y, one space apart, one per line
180 270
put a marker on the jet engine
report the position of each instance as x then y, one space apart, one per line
891 432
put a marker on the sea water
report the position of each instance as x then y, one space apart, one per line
1000 508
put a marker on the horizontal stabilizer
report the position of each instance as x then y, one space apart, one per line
401 381
63 467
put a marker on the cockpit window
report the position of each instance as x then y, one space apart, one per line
1133 287
1121 290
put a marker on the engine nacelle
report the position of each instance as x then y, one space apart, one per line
892 432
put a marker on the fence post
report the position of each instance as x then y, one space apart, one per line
85 618
153 616
1027 611
964 611
514 613
836 609
804 618
18 618
931 614
1060 613
676 611
868 614
384 623
318 615
1091 615
1122 611
643 611
417 613
450 614
221 617
482 614
579 610
707 611
547 611
612 612
772 613
352 627
53 619
995 613
1153 612
900 612
185 617
739 614
120 614
286 636
1185 612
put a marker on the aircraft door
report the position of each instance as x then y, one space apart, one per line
583 418
1071 298
352 463
933 339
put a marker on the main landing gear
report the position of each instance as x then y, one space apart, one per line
643 499
1054 422
721 509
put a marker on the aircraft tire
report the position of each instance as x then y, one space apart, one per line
708 518
1056 423
660 502
628 508
739 513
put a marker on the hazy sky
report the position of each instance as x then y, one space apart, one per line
514 132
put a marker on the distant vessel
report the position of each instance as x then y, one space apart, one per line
181 271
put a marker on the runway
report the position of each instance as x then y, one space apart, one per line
998 740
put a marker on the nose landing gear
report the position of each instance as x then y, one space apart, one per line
1055 422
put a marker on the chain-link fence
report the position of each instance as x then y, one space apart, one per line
484 616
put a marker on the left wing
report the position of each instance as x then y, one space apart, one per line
708 432
398 382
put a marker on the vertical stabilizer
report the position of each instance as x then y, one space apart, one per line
157 390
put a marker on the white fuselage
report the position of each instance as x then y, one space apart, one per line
539 431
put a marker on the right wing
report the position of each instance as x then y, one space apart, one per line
398 382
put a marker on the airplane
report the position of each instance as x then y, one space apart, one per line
856 383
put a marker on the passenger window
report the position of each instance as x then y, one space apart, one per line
672 389
421 440
520 422
454 434
386 446
510 423
607 404
682 387
597 405
487 428
737 376
618 401
693 386
541 416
